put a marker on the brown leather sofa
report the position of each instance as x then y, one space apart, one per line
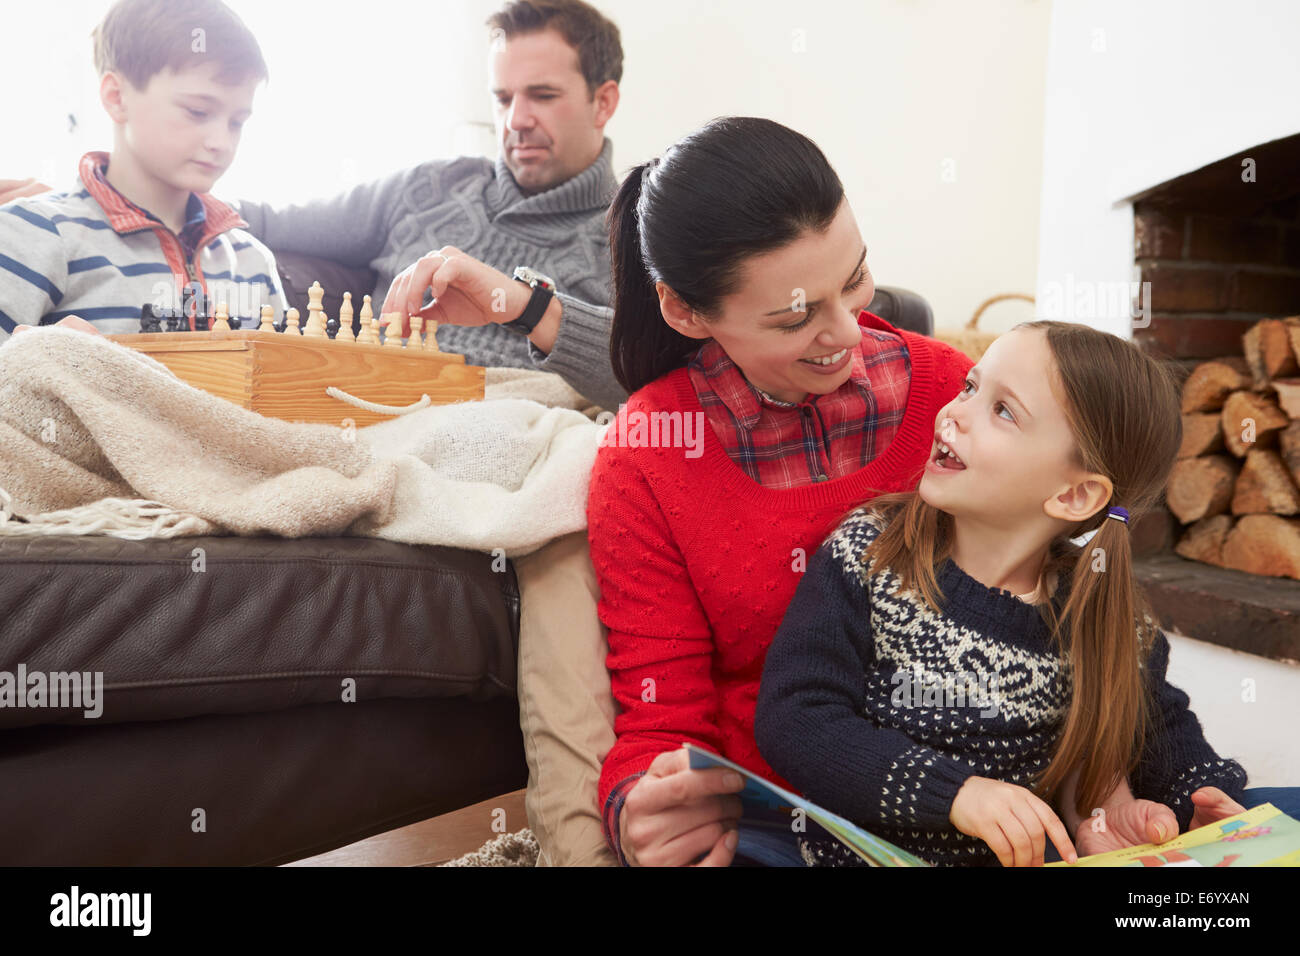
228 733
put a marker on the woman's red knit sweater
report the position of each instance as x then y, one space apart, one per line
697 563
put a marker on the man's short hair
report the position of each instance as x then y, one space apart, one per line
600 53
140 38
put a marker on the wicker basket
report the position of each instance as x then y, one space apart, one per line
970 339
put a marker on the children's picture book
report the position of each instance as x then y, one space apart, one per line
767 806
1261 836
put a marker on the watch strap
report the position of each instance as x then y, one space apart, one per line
532 314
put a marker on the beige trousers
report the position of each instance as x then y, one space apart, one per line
566 710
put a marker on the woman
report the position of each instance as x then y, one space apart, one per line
740 280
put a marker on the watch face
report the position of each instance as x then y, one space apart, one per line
530 275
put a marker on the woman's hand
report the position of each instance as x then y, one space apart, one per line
1127 823
1212 805
674 814
1012 820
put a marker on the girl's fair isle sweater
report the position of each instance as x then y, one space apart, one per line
696 563
859 705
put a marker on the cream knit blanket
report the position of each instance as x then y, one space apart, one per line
99 438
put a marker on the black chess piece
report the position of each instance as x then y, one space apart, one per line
174 322
236 323
332 326
282 322
149 320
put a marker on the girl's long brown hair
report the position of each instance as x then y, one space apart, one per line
1123 409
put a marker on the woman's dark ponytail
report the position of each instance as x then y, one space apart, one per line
737 187
642 345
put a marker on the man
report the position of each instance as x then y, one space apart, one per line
555 66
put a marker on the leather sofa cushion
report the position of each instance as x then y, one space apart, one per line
258 624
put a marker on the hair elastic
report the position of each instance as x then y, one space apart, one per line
1119 513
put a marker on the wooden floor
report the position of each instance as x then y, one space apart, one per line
431 841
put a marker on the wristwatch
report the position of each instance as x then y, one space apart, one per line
543 289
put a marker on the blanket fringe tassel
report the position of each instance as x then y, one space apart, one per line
131 518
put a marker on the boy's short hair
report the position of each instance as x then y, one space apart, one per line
586 29
140 38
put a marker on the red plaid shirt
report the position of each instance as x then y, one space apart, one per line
786 445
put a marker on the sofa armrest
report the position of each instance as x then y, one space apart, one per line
903 309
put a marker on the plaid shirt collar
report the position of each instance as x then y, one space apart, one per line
743 399
205 216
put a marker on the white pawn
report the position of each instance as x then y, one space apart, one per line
344 334
221 321
268 319
368 336
431 336
291 322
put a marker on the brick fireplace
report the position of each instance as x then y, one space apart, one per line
1220 247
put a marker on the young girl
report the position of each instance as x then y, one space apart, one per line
952 669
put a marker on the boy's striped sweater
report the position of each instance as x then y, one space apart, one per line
91 252
857 708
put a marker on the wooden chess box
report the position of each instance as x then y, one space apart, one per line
286 375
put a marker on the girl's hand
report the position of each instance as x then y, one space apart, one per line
1128 823
1212 805
1012 820
674 814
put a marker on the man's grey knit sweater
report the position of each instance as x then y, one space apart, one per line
477 206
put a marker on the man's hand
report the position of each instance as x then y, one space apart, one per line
465 291
71 322
17 188
1127 823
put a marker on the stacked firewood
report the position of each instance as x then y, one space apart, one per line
1236 484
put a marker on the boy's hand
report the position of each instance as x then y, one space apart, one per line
1127 823
1212 805
71 322
1012 820
17 188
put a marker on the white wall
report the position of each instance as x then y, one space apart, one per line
1139 93
891 90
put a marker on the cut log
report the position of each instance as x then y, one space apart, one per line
1288 395
1265 486
1203 541
1264 544
1200 487
1247 415
1267 345
1202 434
1212 382
1288 443
1292 325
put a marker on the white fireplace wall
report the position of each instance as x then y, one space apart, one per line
1137 94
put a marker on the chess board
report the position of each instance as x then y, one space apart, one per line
305 374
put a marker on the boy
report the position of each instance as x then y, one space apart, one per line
140 227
